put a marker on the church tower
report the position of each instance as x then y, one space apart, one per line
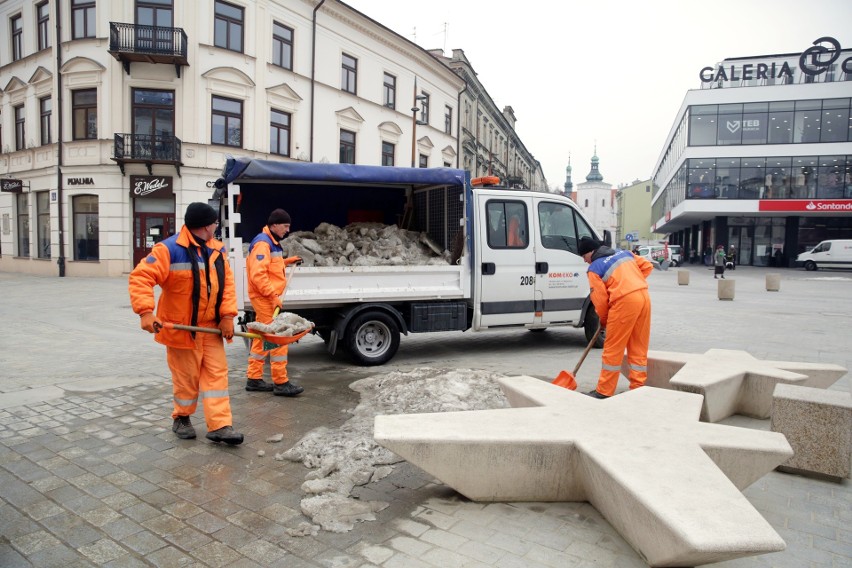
569 185
596 198
595 174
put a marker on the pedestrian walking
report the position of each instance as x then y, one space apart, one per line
197 288
267 279
619 291
719 260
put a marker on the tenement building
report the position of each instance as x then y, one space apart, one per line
115 115
760 157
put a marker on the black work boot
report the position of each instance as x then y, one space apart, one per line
595 394
286 389
182 427
225 434
258 385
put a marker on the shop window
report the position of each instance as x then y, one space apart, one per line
804 177
778 178
282 46
806 124
780 122
835 120
84 107
752 178
82 19
279 133
228 26
730 127
830 182
43 224
86 231
347 147
23 211
227 122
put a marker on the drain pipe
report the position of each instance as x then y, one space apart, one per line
61 260
313 74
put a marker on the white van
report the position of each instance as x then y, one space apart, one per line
827 254
658 253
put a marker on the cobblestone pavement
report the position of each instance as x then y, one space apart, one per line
91 474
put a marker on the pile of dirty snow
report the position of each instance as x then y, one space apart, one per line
285 324
348 456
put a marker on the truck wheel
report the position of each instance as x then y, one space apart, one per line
810 266
372 338
590 326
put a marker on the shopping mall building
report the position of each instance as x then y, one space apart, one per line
760 157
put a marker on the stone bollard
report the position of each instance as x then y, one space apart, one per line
725 289
773 282
683 277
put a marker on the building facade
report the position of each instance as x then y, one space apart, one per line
633 211
110 130
597 199
760 157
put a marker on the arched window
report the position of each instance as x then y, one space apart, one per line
86 232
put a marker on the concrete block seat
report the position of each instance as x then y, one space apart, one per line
732 381
667 482
818 425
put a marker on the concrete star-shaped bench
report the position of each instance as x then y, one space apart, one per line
667 482
733 382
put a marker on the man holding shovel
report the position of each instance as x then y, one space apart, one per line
619 292
191 268
267 279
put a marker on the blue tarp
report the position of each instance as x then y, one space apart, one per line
247 170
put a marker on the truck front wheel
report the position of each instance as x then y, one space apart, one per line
372 338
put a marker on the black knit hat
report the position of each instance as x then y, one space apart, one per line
278 216
588 244
199 215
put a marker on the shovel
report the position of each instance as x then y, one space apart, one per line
569 380
266 337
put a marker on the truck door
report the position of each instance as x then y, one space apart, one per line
506 271
561 284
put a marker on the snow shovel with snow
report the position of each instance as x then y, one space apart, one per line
266 337
569 380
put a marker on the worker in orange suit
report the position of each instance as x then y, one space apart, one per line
266 269
197 288
619 291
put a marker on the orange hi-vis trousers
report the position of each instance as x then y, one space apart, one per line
277 357
628 326
201 373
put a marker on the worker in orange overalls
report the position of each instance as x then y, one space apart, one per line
191 268
267 279
619 291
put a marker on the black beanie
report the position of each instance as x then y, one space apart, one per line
278 216
588 244
199 215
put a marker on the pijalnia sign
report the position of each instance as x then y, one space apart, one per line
11 185
812 61
806 205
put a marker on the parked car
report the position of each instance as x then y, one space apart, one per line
659 253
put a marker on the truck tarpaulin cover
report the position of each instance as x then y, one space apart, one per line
335 193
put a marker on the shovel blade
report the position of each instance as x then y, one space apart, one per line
566 380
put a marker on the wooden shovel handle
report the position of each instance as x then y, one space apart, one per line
169 325
586 351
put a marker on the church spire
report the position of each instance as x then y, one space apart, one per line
569 185
594 174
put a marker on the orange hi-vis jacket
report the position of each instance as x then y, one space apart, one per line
614 276
193 292
265 266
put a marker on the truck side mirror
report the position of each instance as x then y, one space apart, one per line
607 240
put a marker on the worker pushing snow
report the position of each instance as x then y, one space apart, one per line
619 292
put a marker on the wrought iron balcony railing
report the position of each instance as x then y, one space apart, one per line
151 44
147 149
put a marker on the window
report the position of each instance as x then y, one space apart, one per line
348 74
43 224
806 124
43 30
448 119
279 133
702 125
780 122
24 224
228 26
390 91
507 224
20 140
282 46
586 203
45 110
17 25
85 210
835 120
558 229
82 19
227 122
347 147
387 153
424 108
423 161
84 106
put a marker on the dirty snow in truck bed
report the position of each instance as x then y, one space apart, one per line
361 244
346 457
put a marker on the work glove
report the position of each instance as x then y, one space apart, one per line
226 326
150 323
293 260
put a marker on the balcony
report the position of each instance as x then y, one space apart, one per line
148 44
148 149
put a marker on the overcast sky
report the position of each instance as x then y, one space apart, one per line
613 72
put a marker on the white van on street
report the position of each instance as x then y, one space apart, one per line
827 254
658 253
